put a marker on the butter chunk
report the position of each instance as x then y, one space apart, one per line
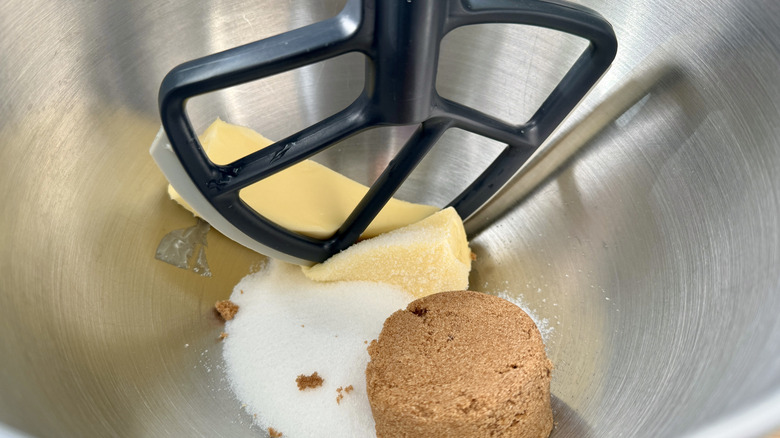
427 257
307 198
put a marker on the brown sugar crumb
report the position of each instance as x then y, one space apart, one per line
242 290
473 256
227 309
222 335
340 396
273 433
313 381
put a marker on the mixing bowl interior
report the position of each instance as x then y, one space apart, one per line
645 237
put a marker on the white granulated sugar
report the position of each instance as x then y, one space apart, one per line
543 324
288 325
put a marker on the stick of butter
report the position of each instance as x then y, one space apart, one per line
426 257
307 198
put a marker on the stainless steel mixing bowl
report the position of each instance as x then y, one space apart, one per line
647 236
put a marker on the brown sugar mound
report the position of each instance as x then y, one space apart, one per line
273 433
227 309
460 364
313 381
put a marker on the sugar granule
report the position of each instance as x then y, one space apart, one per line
543 324
227 309
306 382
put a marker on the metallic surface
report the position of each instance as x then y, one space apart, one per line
648 237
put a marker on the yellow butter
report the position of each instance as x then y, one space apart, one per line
307 198
426 257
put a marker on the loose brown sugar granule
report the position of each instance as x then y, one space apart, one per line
242 291
340 396
273 433
473 256
222 335
313 381
227 309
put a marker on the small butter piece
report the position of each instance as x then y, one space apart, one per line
307 198
426 257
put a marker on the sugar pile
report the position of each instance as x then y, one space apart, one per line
287 326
